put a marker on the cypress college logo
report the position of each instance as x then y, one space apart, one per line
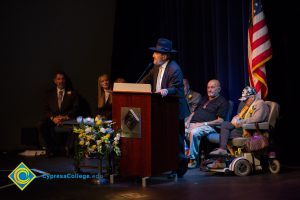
22 176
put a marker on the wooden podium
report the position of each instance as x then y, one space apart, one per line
153 148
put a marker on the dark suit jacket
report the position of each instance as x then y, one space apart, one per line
69 106
172 81
106 109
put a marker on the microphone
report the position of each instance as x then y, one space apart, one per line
144 72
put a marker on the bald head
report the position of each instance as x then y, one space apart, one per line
214 82
213 88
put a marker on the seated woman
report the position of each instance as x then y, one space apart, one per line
104 97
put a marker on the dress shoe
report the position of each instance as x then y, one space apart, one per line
217 165
172 175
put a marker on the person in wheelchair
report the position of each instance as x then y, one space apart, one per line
255 110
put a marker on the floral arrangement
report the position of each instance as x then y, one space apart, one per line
96 136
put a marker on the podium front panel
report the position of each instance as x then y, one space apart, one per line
156 150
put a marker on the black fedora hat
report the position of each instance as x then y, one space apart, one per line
163 45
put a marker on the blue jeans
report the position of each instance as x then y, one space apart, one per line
195 138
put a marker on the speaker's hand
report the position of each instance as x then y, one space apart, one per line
163 92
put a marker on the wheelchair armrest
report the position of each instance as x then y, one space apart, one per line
261 126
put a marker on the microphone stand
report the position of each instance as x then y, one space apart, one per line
144 72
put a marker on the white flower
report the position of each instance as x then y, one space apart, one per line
88 129
88 121
117 137
116 142
103 130
79 119
99 149
98 142
109 130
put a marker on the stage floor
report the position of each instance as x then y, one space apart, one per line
194 185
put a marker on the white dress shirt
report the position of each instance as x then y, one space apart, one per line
160 75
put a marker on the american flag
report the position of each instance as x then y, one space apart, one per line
259 49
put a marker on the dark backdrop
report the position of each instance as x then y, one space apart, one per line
211 36
39 37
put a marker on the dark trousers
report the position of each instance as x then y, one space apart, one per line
46 129
183 160
181 139
228 131
56 138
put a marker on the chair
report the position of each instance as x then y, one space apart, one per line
230 109
262 126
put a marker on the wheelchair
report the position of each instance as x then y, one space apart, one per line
242 162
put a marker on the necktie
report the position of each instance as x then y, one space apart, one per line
60 98
158 80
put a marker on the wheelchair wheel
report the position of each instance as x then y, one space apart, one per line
274 166
242 168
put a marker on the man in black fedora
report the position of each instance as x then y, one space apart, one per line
166 78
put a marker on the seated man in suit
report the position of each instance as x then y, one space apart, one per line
210 112
61 104
193 98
